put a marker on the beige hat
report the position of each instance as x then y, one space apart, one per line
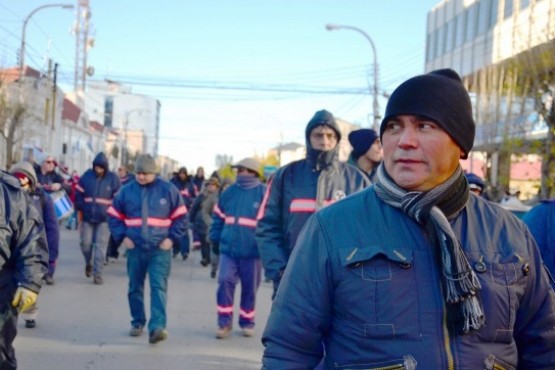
250 164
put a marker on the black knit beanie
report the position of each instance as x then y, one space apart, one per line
361 140
439 96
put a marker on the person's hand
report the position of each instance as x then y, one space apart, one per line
128 243
24 299
55 186
166 244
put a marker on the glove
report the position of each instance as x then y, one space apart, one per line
24 299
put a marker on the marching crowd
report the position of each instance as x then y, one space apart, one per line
394 259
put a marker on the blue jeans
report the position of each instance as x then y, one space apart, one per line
94 242
157 263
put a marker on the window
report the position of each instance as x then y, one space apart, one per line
524 4
430 52
471 22
459 29
449 35
508 11
493 13
483 16
440 46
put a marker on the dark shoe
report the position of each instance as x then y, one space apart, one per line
88 270
49 280
98 280
136 331
185 256
204 263
157 335
222 333
30 324
213 274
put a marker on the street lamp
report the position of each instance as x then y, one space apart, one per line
376 107
22 48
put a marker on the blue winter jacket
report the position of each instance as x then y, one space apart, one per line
148 214
234 221
94 194
296 191
363 282
186 189
541 221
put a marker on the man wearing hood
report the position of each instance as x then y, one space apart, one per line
23 261
94 194
299 189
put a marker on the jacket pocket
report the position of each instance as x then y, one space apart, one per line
406 363
493 363
503 282
386 279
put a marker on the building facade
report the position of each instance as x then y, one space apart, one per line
503 49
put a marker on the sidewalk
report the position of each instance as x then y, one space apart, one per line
82 326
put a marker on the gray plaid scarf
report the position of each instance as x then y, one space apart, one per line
432 209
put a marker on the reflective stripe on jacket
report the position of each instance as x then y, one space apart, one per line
94 194
234 221
148 214
295 192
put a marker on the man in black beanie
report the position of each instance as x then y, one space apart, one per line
367 151
415 269
299 189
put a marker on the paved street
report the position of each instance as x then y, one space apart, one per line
82 326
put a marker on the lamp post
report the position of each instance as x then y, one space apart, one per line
22 48
376 107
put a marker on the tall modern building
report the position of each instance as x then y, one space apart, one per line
135 116
505 51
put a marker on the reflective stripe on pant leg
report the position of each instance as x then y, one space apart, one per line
249 273
227 280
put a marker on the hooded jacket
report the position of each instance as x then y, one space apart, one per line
296 191
364 281
23 257
44 205
94 194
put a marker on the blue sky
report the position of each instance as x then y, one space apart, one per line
233 77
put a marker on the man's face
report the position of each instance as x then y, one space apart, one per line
375 153
100 171
323 138
418 153
122 171
145 178
48 164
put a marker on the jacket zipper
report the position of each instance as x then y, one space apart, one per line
446 340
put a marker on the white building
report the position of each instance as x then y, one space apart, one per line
136 116
500 48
